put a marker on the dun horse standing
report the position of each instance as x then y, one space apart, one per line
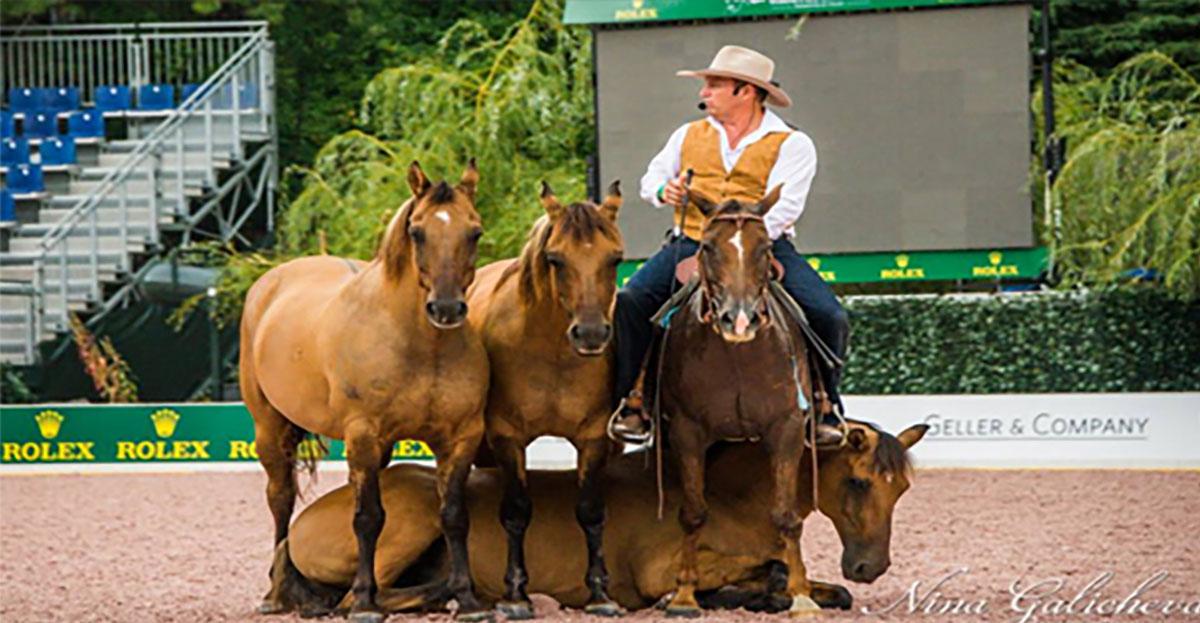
546 321
372 354
735 367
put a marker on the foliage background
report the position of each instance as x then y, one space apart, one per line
1120 340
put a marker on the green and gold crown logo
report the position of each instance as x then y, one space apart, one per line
637 4
902 260
164 422
995 257
49 423
815 262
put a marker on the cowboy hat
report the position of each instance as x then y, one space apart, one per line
734 61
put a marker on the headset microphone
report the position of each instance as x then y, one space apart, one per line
702 106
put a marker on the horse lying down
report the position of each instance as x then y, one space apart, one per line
739 549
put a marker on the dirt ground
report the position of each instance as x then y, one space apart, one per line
196 547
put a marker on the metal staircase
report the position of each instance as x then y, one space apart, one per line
198 171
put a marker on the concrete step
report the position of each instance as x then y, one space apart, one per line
191 158
107 271
107 215
107 242
74 257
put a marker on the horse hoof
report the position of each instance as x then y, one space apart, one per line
682 612
269 607
475 617
366 616
516 610
315 613
604 609
804 608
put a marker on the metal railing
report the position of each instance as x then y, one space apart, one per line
87 56
220 97
17 288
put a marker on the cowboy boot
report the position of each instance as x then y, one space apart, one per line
629 423
829 425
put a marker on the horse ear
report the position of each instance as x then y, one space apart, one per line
765 205
612 202
911 435
417 180
554 209
857 439
706 205
470 178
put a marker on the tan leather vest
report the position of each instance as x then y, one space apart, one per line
701 152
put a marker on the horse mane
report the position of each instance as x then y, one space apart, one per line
393 246
580 220
890 454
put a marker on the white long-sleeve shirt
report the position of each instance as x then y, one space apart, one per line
794 168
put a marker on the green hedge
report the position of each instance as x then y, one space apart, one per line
1125 340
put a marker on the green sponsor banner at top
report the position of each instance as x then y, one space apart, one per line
916 266
144 433
634 11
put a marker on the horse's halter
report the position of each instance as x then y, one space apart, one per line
710 306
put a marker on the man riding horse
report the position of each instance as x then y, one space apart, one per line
739 151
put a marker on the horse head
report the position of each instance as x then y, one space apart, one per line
572 260
437 234
735 263
859 487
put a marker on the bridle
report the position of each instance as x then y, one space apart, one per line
710 302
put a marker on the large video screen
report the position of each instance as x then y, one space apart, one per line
921 121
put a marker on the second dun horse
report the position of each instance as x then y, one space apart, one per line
373 353
546 320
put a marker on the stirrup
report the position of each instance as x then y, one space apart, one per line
638 439
842 428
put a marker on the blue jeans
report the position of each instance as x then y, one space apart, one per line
650 287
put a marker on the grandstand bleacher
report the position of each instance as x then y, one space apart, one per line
104 170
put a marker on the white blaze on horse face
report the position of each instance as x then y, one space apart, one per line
736 241
443 215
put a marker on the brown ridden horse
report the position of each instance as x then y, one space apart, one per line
859 487
735 367
546 321
372 354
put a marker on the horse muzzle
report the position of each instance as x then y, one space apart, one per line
864 569
446 313
739 323
590 339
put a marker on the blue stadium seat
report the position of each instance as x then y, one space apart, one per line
14 151
247 96
40 124
85 124
188 90
8 207
57 151
60 99
113 98
25 178
23 99
156 97
8 127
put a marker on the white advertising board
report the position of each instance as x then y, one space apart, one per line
1145 430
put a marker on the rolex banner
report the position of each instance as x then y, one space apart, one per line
147 434
976 265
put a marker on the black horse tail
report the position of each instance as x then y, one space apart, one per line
294 592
